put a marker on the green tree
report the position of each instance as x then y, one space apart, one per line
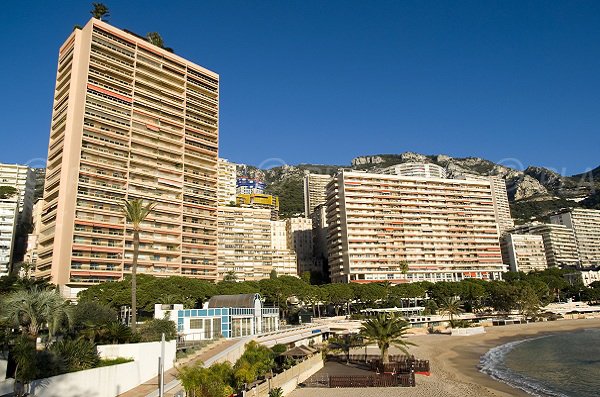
25 360
152 330
276 392
156 39
451 307
34 309
345 343
256 362
7 192
528 303
135 213
386 330
230 276
77 354
205 382
92 312
100 11
338 295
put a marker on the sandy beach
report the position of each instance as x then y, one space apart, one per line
454 361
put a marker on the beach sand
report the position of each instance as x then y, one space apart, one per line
454 361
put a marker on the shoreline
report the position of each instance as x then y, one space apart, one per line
454 362
457 358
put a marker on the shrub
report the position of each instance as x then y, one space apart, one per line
91 312
105 362
151 331
76 354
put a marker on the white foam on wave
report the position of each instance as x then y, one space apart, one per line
493 364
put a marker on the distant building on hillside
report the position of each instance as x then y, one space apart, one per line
250 186
256 200
422 170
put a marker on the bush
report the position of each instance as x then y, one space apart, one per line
151 331
76 354
105 362
86 313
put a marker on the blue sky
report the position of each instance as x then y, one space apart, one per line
325 81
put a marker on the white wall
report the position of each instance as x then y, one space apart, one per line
112 380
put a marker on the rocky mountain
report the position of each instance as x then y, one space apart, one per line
534 192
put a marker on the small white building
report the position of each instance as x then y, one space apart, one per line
228 316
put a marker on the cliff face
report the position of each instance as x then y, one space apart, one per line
534 192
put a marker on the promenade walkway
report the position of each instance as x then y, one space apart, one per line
151 386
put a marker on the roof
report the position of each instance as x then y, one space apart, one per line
241 300
299 351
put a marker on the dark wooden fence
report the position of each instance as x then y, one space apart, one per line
402 367
383 380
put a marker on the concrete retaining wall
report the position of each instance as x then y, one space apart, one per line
467 331
112 380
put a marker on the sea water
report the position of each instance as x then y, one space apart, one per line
565 364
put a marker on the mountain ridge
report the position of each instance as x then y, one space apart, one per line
534 192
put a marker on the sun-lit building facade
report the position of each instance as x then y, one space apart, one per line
130 120
443 229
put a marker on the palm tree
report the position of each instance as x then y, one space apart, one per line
451 307
230 276
156 39
345 343
100 11
32 309
386 330
135 212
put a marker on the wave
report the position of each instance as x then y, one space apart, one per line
492 363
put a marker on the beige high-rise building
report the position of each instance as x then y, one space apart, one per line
314 191
559 243
423 170
300 239
501 205
252 245
523 252
500 198
8 225
15 214
586 228
31 254
226 191
443 229
130 120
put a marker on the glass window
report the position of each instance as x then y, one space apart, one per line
196 323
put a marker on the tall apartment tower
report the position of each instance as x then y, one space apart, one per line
227 183
559 242
523 252
586 228
130 121
501 206
15 216
443 229
314 191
